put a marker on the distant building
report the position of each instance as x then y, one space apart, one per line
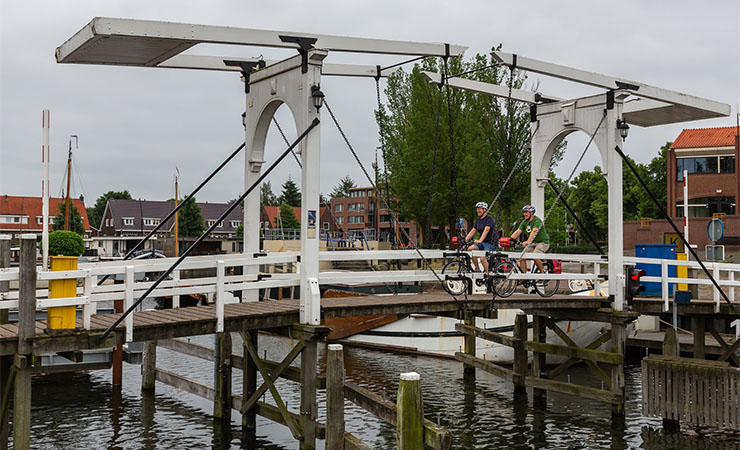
20 214
270 223
362 212
710 156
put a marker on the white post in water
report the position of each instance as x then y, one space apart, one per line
686 210
45 187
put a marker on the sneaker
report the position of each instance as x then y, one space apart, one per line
530 290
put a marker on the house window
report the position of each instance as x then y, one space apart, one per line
51 221
356 219
706 206
356 206
211 223
704 164
39 220
220 224
339 207
326 225
340 220
385 218
128 221
150 222
235 223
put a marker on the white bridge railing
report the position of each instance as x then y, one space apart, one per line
223 280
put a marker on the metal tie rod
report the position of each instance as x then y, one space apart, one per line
675 228
162 277
575 216
174 211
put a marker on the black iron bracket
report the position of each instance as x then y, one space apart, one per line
304 45
246 68
610 99
628 86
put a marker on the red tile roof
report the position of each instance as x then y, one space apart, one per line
272 214
31 207
706 137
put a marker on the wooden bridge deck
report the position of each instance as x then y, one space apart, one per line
193 321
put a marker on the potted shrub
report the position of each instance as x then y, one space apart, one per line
64 249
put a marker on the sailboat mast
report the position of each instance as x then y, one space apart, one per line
66 199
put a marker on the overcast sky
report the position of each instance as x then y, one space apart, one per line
136 125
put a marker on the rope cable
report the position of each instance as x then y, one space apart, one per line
434 164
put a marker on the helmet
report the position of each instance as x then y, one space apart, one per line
528 208
483 205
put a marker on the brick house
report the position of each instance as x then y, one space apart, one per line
710 157
20 214
362 211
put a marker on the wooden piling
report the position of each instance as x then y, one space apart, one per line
222 377
670 343
699 329
149 366
5 361
309 408
26 330
335 397
409 413
618 343
469 344
520 352
117 368
539 334
249 387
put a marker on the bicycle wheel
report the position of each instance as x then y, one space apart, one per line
503 287
546 288
456 269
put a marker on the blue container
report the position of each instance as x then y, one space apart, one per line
658 251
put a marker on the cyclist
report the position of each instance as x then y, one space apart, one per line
537 239
486 227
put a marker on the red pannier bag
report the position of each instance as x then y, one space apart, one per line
454 241
506 242
557 266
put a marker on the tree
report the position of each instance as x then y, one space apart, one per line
452 162
342 188
291 195
240 230
65 243
95 213
190 219
75 219
287 217
267 197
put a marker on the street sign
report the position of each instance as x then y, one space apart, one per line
715 230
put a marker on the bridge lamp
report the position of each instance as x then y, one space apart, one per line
623 128
318 97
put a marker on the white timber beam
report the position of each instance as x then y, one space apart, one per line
203 62
133 42
709 108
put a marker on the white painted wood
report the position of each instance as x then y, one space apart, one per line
89 308
128 301
730 279
176 298
704 108
133 42
715 291
45 124
220 273
597 281
664 283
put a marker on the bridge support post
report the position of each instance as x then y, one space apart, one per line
618 343
539 334
335 397
309 334
249 387
149 366
409 413
26 331
469 344
520 353
222 373
117 375
5 361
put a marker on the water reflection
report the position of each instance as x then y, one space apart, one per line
81 410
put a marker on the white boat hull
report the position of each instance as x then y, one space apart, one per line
436 335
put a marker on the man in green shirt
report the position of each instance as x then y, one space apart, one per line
537 239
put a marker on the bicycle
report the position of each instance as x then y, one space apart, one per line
504 286
459 273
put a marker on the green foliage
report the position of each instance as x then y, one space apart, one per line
65 243
75 219
291 195
487 136
95 213
267 197
190 219
342 188
287 217
240 230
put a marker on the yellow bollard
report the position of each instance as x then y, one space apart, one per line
62 317
682 272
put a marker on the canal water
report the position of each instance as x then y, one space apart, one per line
81 410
